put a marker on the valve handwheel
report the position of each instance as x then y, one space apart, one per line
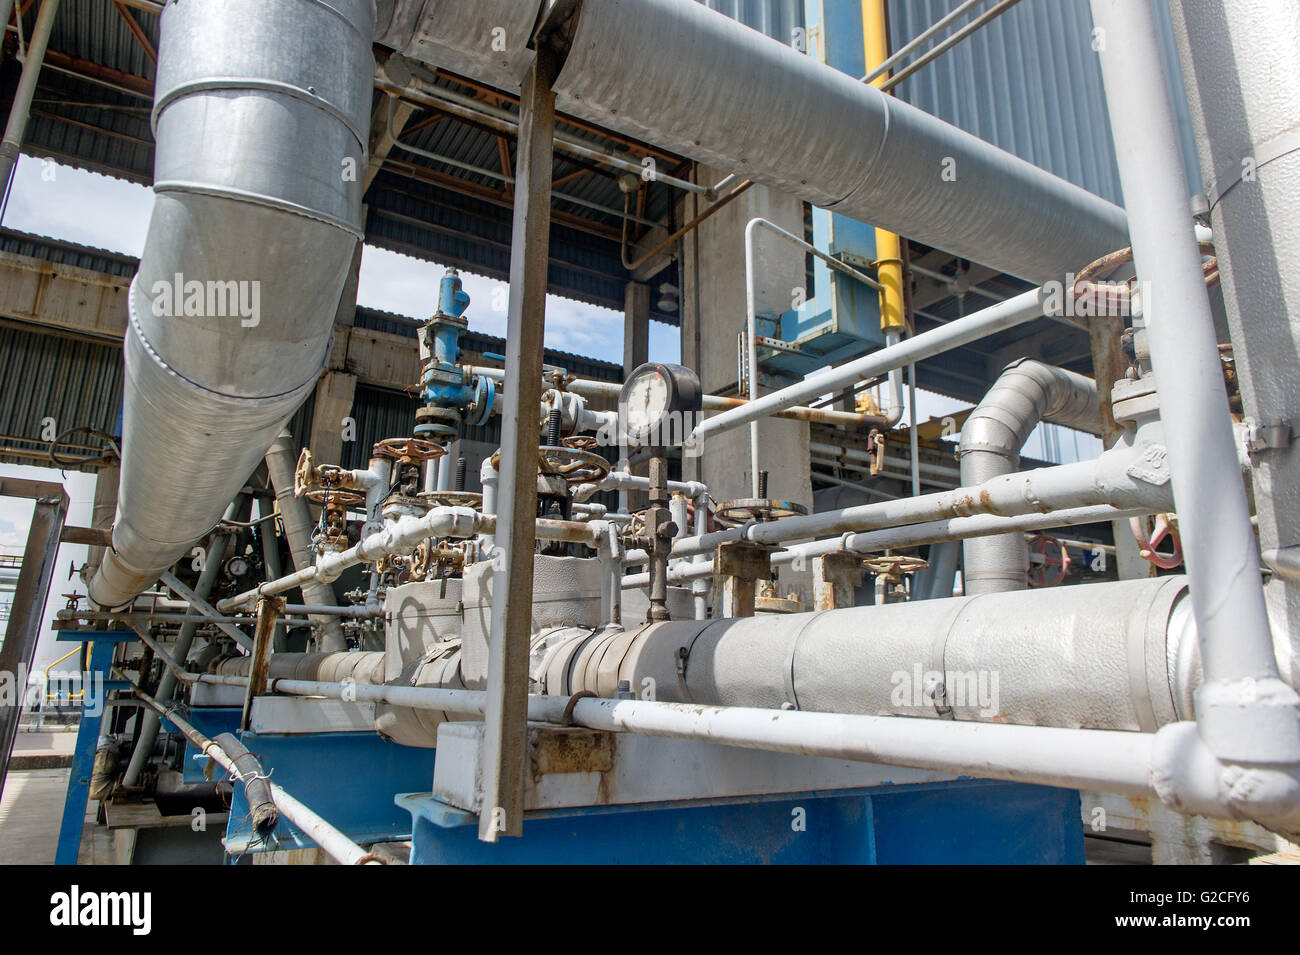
452 499
1043 575
895 565
1163 527
746 509
320 485
408 450
576 465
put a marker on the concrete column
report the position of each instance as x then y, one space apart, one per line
103 511
636 325
334 395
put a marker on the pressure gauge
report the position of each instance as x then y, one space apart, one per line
660 404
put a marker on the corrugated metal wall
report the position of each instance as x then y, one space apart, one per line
1030 83
77 383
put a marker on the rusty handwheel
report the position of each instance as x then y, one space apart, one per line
322 484
452 499
575 465
894 565
748 509
408 450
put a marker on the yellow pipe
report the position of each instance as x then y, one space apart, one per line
889 251
79 693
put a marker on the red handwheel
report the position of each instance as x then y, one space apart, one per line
1162 528
1052 570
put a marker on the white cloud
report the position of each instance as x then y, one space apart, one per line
398 283
51 199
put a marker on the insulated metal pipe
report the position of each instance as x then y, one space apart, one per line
1110 761
253 231
1025 394
1245 712
721 93
280 464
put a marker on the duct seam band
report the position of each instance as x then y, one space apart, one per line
298 393
1265 153
791 683
218 84
242 195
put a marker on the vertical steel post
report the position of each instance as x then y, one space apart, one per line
16 128
28 608
68 848
503 757
269 610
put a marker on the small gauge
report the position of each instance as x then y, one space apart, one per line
238 567
660 404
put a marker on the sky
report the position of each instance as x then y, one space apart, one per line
89 209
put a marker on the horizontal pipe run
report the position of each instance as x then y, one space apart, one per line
1106 481
405 533
331 840
854 455
166 617
1014 311
1107 760
149 603
913 535
590 388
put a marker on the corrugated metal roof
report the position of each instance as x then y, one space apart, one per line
71 381
67 253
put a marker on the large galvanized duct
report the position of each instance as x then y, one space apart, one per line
260 116
1243 90
679 75
1026 393
1119 656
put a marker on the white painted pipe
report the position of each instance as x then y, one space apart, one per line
909 535
1014 311
1244 710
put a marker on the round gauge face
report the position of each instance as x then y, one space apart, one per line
647 400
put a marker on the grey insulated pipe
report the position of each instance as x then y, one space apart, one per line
280 464
721 93
1118 656
260 118
1025 394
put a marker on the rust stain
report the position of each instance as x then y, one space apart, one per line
573 750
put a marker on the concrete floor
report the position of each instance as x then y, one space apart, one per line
31 810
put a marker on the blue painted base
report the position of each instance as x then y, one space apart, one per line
348 778
957 823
